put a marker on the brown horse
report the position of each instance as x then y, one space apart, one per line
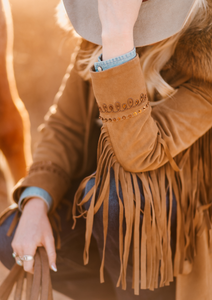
14 119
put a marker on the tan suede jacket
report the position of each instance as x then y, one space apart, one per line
71 131
167 146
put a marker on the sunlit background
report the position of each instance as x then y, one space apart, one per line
41 55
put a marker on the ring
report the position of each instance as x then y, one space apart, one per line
20 259
26 257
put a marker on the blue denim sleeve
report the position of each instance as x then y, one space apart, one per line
103 65
34 191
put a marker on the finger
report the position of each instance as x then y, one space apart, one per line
29 266
17 248
51 252
28 250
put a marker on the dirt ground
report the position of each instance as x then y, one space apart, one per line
41 55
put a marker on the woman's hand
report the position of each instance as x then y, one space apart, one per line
118 18
34 230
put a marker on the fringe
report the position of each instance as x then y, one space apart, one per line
8 212
188 177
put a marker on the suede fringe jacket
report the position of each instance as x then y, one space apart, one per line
168 147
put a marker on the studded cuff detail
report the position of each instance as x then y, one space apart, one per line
120 93
134 114
118 107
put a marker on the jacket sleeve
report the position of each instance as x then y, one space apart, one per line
58 156
144 138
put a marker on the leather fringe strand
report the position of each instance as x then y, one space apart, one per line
191 185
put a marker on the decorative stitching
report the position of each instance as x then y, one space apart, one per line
50 167
104 120
118 107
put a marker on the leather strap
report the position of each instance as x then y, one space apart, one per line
9 282
19 285
38 284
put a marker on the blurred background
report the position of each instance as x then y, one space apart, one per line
42 54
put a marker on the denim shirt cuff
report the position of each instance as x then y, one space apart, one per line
103 65
34 191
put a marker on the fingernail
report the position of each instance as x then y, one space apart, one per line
53 267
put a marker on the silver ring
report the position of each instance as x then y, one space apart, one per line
14 254
26 257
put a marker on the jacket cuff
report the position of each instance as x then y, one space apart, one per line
103 65
120 92
34 191
47 176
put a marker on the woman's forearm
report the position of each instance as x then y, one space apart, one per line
116 45
118 18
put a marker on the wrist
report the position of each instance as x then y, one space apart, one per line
34 192
114 45
35 204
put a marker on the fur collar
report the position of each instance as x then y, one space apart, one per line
193 54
